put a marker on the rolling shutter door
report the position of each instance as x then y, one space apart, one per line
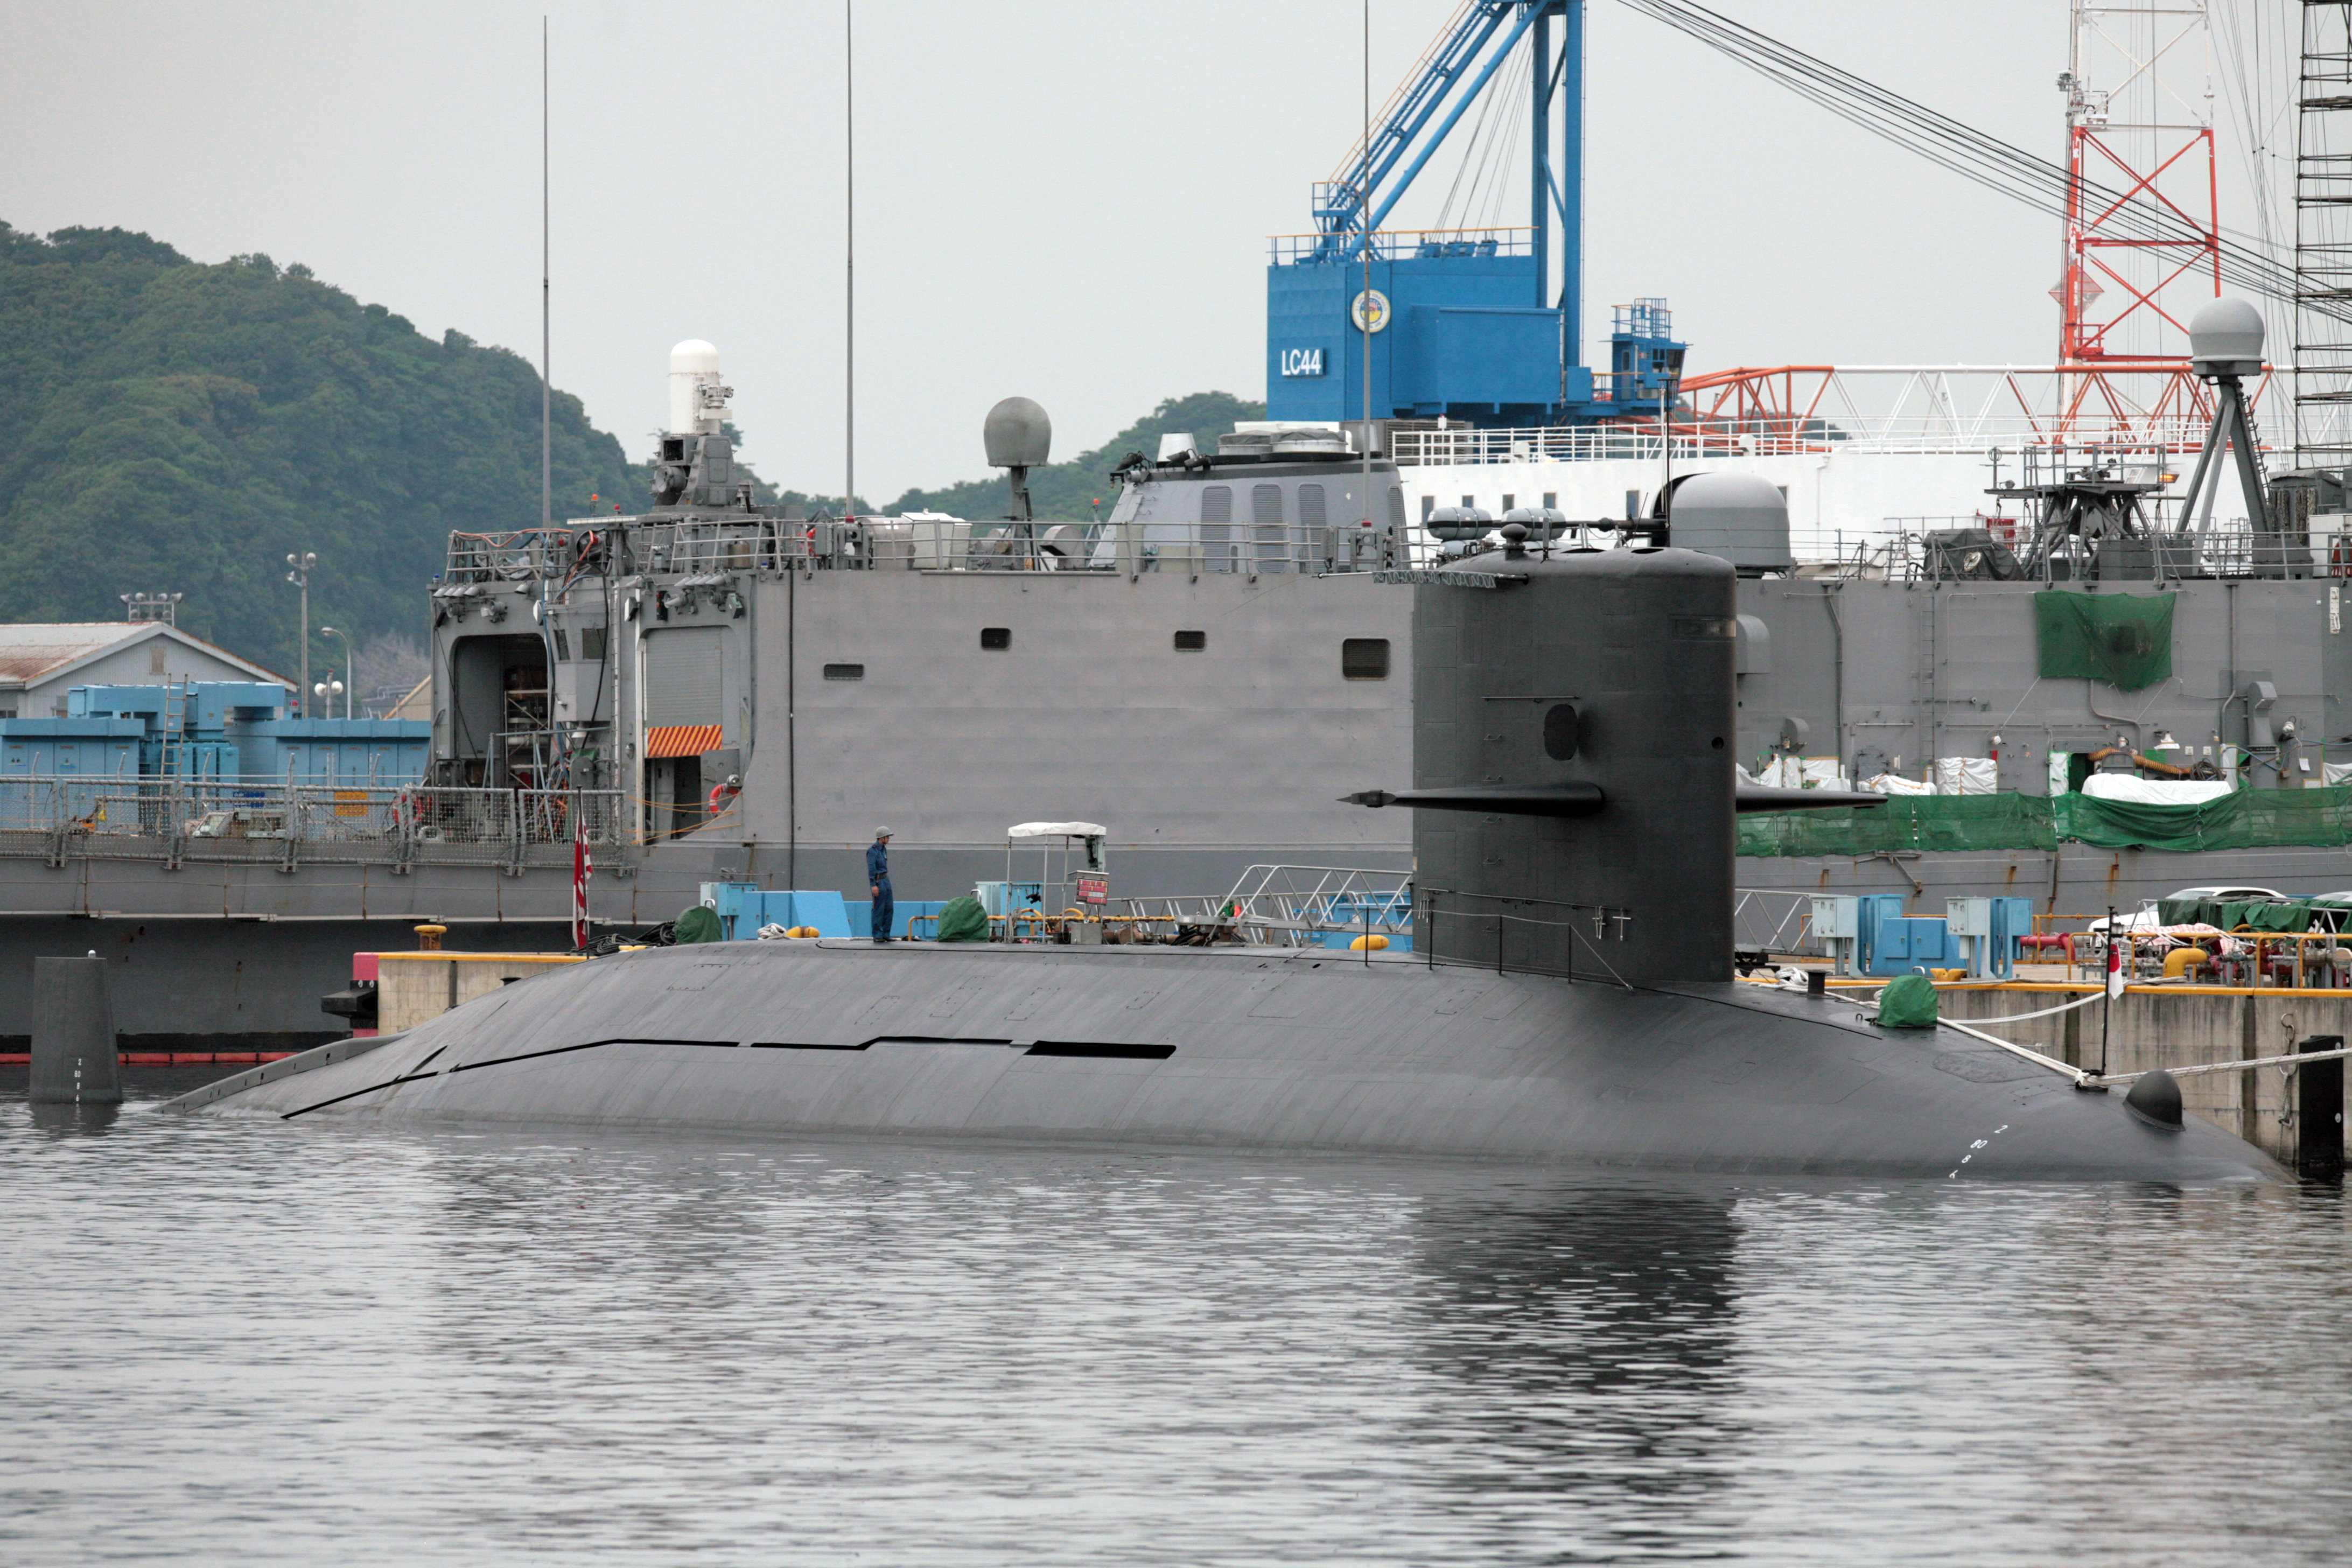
684 677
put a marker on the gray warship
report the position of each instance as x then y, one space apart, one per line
1569 998
1190 671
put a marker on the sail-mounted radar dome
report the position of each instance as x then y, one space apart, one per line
1018 435
698 401
2225 338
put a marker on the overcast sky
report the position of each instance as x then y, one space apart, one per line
1067 199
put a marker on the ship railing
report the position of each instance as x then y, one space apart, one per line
1634 436
1773 921
249 821
495 557
1275 906
718 546
943 544
1400 244
1901 550
706 554
1296 906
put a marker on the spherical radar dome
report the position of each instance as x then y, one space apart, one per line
2227 332
1018 435
694 354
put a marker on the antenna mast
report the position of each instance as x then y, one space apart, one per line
2139 120
546 401
2323 240
849 258
1367 295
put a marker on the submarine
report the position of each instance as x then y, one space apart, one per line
1570 996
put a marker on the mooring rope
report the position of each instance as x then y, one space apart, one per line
2247 1065
2083 1079
2046 1012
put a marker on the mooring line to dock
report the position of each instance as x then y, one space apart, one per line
2077 1075
2046 1012
2086 1079
2242 1065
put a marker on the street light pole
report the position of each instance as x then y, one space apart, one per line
300 578
351 669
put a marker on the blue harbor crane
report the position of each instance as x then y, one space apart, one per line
1467 322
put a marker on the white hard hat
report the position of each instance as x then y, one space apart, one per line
881 833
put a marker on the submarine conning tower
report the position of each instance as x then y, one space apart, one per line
1573 723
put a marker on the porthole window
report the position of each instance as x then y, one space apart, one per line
996 639
1559 732
845 672
1364 659
1192 642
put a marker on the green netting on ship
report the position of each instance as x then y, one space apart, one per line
2243 819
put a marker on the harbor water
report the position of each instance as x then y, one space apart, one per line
264 1343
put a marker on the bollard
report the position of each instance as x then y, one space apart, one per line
2319 1111
74 1060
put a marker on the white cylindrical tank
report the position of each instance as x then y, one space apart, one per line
693 365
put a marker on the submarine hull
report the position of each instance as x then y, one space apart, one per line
1278 1051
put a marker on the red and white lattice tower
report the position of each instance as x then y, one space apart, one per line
2143 214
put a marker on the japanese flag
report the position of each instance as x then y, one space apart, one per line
2115 963
581 868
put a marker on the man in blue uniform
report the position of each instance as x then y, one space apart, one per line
877 872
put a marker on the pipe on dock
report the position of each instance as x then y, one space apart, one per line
74 1060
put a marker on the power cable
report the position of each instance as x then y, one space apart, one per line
1970 153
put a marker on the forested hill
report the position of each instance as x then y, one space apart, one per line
174 426
170 425
1066 492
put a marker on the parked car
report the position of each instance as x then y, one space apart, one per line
2227 895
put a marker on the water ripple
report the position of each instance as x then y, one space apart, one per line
294 1343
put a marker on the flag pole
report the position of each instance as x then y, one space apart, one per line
2114 984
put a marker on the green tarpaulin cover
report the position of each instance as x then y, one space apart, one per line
1907 1003
2125 639
699 924
2252 914
963 921
2243 820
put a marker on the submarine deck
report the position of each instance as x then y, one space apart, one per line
1273 1050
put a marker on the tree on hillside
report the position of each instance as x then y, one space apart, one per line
166 424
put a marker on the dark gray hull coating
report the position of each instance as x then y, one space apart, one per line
1272 1052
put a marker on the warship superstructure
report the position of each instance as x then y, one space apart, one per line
1189 672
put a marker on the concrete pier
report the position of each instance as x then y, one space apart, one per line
74 1051
413 987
